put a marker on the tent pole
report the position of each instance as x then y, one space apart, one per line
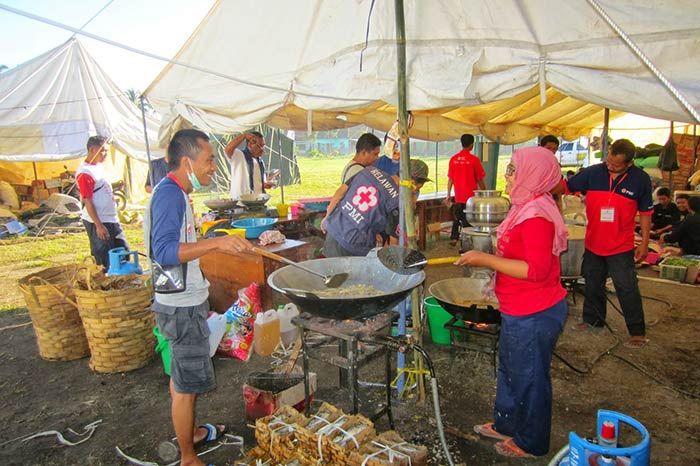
36 177
145 137
279 154
436 166
604 144
695 148
405 191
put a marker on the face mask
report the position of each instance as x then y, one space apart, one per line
196 185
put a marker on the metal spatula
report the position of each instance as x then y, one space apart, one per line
406 261
331 281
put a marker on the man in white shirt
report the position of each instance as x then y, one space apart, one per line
99 212
247 166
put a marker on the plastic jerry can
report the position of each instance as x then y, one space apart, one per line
288 330
266 332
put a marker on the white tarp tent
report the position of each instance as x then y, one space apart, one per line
50 105
507 69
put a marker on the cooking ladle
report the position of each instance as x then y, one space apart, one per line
406 261
331 281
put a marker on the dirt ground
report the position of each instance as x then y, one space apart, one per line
134 407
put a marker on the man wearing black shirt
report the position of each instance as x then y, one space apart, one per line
665 214
687 233
682 204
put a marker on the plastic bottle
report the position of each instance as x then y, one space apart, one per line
288 330
266 332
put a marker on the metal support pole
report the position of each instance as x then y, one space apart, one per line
279 153
604 143
436 178
145 137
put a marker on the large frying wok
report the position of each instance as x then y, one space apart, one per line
462 297
300 287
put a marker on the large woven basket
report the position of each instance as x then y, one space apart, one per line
57 326
118 325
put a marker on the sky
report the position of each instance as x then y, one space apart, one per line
157 26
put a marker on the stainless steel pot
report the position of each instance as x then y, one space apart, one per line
486 209
571 260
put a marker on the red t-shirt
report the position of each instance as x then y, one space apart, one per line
86 185
530 241
465 171
611 205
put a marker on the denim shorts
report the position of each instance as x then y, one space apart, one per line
191 369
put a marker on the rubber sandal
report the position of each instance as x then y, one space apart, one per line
509 449
636 342
586 327
487 430
214 433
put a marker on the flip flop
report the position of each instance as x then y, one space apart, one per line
636 342
509 449
487 430
214 433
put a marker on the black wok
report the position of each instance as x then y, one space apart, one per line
462 298
300 287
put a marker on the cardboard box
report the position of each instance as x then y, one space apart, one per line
39 194
260 403
22 189
53 183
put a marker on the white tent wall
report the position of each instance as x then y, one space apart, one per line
508 69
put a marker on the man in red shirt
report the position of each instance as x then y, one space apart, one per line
465 173
616 191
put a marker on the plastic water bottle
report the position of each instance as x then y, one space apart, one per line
288 330
266 331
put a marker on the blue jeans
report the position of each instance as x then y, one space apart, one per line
523 408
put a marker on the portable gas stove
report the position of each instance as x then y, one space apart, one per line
475 336
357 346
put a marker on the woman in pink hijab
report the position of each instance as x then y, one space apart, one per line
532 304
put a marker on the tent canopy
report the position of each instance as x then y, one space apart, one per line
50 105
507 69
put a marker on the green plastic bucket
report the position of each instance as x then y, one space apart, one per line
437 318
163 347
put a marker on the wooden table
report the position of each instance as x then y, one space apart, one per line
430 208
228 272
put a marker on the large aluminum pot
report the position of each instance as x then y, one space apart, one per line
571 260
486 209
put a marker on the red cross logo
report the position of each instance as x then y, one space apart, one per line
365 198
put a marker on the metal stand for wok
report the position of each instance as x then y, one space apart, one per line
472 331
572 286
351 357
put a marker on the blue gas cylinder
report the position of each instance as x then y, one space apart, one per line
123 262
604 451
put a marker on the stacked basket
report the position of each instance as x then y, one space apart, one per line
118 325
50 300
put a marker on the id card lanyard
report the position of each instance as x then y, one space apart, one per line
607 214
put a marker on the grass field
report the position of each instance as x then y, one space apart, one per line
320 177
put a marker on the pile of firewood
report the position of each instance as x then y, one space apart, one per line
330 437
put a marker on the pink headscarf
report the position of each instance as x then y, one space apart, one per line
536 173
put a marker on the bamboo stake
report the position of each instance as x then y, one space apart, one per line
406 193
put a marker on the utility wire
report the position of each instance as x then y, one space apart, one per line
93 17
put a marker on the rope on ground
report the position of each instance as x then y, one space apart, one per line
9 327
85 435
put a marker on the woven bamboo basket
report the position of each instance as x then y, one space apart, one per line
55 318
118 324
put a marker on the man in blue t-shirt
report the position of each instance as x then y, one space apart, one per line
365 206
169 235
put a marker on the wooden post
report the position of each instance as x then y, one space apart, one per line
405 190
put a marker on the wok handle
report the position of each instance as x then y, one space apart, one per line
443 260
278 258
